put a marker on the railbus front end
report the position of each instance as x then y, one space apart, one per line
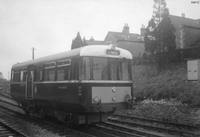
107 80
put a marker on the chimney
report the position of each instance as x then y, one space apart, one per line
183 15
125 29
142 30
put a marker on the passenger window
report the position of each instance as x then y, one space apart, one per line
85 69
49 75
100 69
41 75
125 74
61 74
75 69
16 77
12 75
22 76
115 70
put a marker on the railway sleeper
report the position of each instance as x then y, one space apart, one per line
99 133
139 131
151 127
147 120
117 132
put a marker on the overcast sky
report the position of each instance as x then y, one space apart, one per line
50 25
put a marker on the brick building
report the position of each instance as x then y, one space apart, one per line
124 39
187 31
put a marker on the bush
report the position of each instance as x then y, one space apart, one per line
169 111
169 84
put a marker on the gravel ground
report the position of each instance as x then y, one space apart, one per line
36 131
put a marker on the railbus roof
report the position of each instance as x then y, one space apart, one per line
92 50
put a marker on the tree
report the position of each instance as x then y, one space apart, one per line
160 37
149 38
165 36
159 8
77 42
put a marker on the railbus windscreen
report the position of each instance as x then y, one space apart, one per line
100 68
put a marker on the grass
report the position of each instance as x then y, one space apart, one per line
168 84
165 110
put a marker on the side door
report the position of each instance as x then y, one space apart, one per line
29 84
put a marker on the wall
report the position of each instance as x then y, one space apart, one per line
191 35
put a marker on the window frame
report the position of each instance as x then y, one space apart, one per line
16 76
67 73
119 75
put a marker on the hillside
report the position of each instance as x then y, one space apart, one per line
169 84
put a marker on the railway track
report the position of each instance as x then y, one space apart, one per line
7 130
99 130
9 127
22 124
154 125
115 126
110 129
130 126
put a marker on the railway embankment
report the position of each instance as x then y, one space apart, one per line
170 83
166 96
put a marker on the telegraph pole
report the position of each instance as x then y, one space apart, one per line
33 52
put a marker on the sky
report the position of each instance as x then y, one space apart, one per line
50 25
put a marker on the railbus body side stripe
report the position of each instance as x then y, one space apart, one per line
76 81
17 82
105 81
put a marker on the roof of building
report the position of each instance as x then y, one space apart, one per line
177 21
95 50
137 48
114 36
94 42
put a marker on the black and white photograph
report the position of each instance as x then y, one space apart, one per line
99 68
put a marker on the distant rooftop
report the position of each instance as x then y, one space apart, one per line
177 21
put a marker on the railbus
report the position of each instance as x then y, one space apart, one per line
80 85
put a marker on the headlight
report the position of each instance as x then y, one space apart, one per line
114 99
96 99
113 89
127 98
